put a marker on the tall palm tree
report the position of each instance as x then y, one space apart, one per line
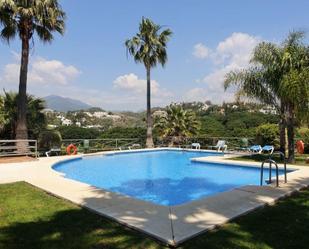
278 76
148 46
24 18
177 124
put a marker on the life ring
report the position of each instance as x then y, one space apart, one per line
300 146
71 149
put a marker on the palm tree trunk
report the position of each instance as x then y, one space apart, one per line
149 140
291 133
21 127
282 126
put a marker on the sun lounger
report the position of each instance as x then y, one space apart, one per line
256 148
221 145
196 146
53 150
268 148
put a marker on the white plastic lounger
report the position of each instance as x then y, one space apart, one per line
221 145
196 146
55 150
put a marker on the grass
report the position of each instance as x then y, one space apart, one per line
299 159
30 218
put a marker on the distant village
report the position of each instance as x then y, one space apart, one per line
99 119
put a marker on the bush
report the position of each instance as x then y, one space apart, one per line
211 127
49 139
268 134
74 132
120 132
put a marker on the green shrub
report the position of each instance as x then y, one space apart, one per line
268 134
49 139
129 132
74 132
211 127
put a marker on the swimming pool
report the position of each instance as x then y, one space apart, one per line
164 177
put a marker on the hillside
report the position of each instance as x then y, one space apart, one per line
63 104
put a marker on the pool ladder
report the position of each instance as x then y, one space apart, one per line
273 162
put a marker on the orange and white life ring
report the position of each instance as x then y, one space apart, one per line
300 146
71 149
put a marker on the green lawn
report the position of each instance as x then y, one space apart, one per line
299 159
30 218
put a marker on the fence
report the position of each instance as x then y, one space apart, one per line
29 147
206 142
95 145
18 148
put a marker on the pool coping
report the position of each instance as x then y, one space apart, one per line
171 225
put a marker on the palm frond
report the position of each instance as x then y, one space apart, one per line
149 45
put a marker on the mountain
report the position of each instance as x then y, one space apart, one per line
62 104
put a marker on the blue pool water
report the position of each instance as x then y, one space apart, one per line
163 177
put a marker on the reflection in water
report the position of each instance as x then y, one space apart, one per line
170 191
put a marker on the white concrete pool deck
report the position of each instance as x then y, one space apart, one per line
172 225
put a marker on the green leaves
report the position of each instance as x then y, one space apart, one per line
177 122
26 17
149 45
278 74
36 120
295 89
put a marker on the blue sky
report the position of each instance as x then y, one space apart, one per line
210 38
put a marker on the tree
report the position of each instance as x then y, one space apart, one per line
24 18
148 46
74 132
177 124
278 76
36 120
211 127
2 118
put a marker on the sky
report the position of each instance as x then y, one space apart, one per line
210 38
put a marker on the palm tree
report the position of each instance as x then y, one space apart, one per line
24 18
36 120
278 76
2 117
177 124
148 46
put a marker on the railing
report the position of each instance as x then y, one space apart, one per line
18 148
29 147
272 162
233 143
96 145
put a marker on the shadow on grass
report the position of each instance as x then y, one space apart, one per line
285 225
63 225
30 218
72 229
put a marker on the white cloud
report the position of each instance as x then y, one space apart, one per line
237 49
201 51
41 71
203 93
52 71
132 83
196 94
233 53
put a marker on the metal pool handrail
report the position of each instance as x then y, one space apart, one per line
271 161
